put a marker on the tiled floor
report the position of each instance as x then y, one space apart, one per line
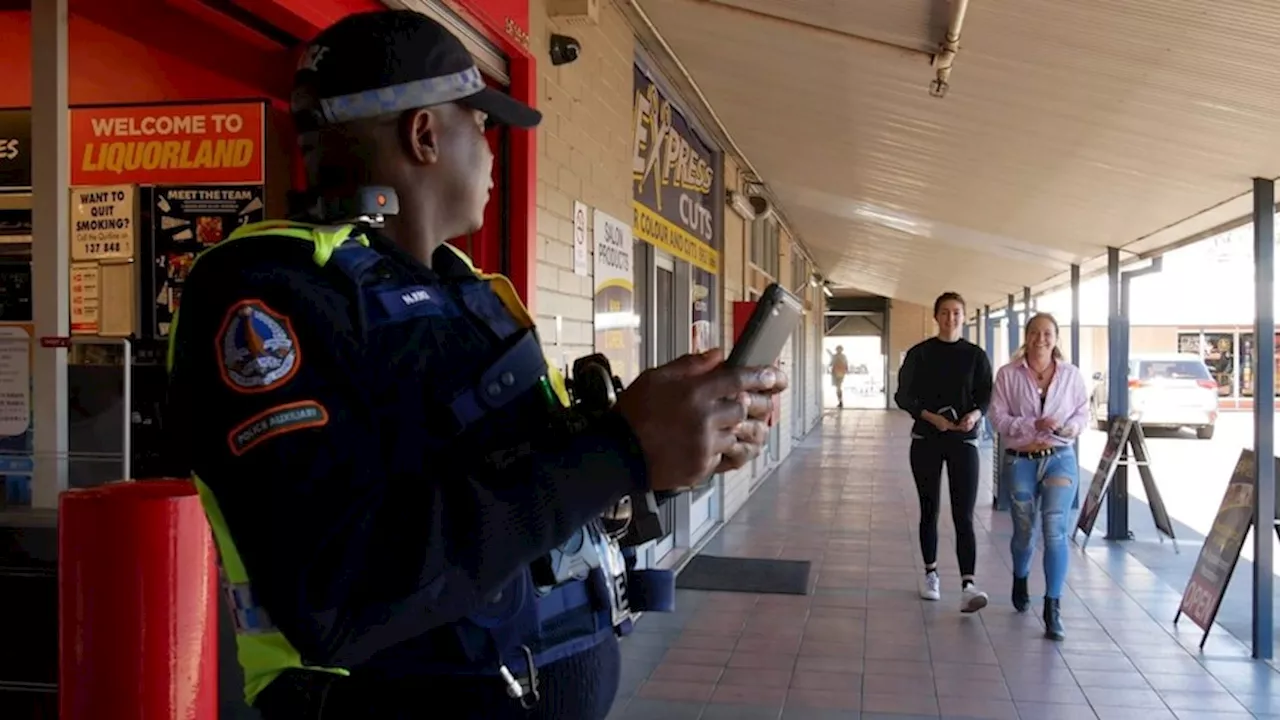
862 645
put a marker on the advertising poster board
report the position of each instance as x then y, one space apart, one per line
616 321
85 297
118 306
1221 550
16 449
168 144
1159 513
185 221
104 222
1117 437
674 203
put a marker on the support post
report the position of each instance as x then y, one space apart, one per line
50 246
1015 327
1075 315
1264 414
885 344
1118 393
1075 351
1027 308
989 329
1117 397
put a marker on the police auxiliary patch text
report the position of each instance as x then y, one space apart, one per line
257 348
276 421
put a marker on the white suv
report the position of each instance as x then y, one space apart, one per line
1169 390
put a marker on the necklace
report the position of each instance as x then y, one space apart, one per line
1042 375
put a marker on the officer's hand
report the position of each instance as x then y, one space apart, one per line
753 433
691 413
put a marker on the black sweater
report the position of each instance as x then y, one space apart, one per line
937 374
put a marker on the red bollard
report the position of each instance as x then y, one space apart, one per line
137 604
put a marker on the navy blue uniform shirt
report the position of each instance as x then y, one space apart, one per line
366 522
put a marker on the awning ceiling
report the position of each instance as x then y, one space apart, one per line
1068 127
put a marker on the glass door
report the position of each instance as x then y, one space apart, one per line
799 378
664 351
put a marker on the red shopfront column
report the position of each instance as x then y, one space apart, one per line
137 604
505 23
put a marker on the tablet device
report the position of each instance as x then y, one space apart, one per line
776 316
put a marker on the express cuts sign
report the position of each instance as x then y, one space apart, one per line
674 173
171 144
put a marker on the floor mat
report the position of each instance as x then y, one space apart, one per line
748 575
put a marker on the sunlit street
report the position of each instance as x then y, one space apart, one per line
1191 474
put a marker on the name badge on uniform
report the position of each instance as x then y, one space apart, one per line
414 301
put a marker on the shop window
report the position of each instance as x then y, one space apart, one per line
799 273
1220 356
1246 364
764 245
704 333
1190 342
1248 356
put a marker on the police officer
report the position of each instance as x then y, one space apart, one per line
380 447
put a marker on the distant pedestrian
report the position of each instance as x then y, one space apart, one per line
839 369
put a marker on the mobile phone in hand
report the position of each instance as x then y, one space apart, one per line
775 318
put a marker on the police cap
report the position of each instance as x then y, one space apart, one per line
384 62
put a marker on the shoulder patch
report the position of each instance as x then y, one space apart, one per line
257 348
276 421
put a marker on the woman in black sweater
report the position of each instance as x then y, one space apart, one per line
945 384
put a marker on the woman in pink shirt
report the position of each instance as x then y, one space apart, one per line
1039 406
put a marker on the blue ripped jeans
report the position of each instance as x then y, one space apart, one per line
1036 487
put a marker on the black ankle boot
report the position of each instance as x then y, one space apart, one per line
1021 600
1053 620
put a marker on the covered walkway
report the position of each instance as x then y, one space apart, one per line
863 646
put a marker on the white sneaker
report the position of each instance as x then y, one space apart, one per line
972 599
932 589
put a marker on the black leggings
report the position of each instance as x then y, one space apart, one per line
961 458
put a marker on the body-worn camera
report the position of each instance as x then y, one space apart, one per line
634 520
369 205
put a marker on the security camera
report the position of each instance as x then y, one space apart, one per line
749 206
760 204
564 49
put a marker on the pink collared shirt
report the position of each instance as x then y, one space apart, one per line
1015 404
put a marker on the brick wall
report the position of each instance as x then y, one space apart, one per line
908 324
584 146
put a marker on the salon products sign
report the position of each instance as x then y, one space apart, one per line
168 144
616 321
673 175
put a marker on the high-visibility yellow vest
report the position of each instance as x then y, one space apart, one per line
261 649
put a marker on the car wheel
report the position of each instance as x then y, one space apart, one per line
1205 432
